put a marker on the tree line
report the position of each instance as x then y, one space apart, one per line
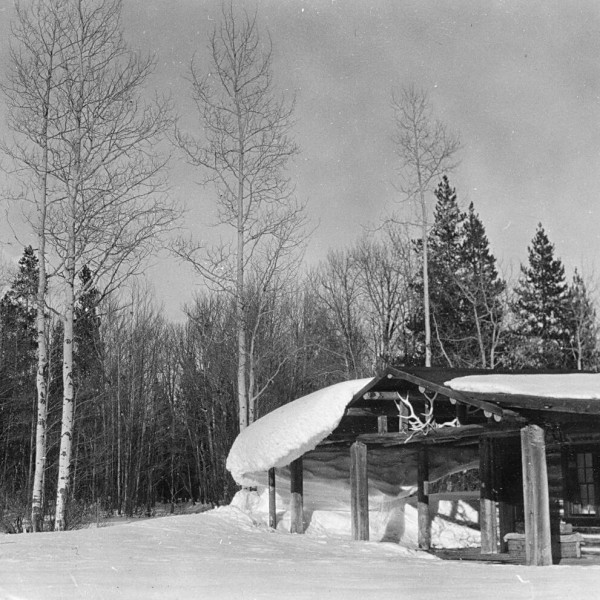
105 406
156 403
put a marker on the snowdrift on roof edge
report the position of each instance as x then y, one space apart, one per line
580 386
290 431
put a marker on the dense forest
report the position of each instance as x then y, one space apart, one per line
156 407
108 408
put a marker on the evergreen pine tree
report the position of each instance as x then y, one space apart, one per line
541 309
583 326
445 265
482 290
17 375
87 325
87 379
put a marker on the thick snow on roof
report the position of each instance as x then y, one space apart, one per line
288 432
584 386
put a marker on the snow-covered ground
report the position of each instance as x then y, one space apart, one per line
230 553
222 554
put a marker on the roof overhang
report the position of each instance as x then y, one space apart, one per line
500 405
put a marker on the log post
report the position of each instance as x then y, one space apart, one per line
272 500
359 486
382 424
423 516
488 521
402 421
538 545
296 499
506 521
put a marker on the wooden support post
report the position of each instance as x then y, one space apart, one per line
359 486
423 516
296 500
488 520
382 424
506 523
272 500
402 422
538 545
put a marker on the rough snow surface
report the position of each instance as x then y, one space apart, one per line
222 555
581 386
290 431
392 496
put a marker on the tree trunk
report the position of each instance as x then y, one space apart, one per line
66 435
37 494
242 375
426 310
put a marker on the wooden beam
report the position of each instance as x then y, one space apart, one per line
538 543
448 392
423 516
382 424
296 500
272 500
359 486
506 522
461 413
518 402
488 521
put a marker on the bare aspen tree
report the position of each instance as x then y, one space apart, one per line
105 181
29 89
426 150
243 149
337 284
386 274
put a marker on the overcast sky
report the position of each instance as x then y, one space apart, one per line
518 80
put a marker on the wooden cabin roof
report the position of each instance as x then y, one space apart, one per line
433 379
493 412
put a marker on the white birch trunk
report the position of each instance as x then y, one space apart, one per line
37 495
242 377
66 435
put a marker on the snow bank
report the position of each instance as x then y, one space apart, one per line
290 431
582 386
220 554
392 497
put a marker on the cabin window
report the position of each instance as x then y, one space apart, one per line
587 485
583 483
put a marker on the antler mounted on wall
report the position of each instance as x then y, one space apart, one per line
423 422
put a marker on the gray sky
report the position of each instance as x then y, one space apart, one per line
518 80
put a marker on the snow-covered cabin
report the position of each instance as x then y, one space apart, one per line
435 457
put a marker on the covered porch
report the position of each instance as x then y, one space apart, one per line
532 452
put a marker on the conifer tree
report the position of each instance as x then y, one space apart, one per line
541 308
583 326
445 256
483 290
17 382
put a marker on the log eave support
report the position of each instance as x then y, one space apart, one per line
359 486
538 545
423 513
297 497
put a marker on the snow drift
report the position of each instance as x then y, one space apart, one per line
290 431
296 429
581 386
